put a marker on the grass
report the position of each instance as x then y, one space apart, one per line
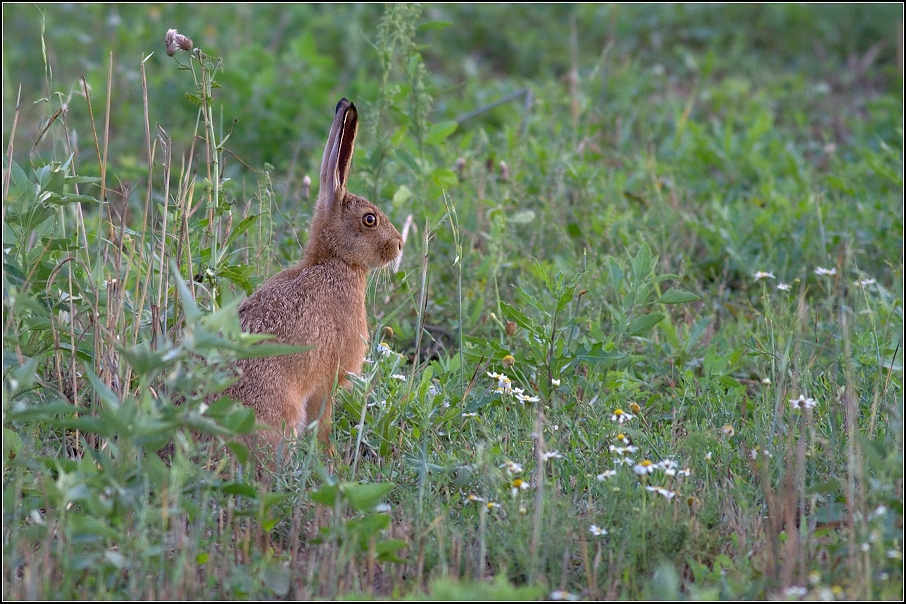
587 329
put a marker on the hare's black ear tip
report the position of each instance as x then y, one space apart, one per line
343 105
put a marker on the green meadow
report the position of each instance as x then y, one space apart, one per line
645 340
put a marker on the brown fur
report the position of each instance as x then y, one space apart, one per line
319 302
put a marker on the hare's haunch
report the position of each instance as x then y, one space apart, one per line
319 302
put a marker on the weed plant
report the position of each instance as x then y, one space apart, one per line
645 340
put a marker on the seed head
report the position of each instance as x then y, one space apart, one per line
175 41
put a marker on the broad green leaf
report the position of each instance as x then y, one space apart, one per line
239 229
444 178
642 326
674 296
439 132
363 497
402 195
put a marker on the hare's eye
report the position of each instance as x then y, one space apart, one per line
369 220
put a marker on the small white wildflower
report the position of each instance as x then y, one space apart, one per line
754 453
828 272
527 399
795 592
644 467
666 493
469 414
563 595
865 282
517 485
511 467
492 505
547 455
555 383
784 287
623 461
597 531
684 473
880 511
606 474
623 450
766 381
367 360
668 465
621 416
475 498
763 275
803 403
894 554
384 349
382 508
399 376
709 455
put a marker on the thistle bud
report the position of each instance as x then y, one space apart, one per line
509 361
510 328
176 41
387 332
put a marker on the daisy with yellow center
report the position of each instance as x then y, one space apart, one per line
621 416
517 485
644 467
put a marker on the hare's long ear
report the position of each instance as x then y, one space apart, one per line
338 154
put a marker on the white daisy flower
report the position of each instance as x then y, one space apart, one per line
621 416
644 467
803 403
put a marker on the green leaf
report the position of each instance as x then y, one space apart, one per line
12 444
20 185
402 195
107 396
326 495
145 361
239 450
675 296
386 550
240 488
444 178
363 497
239 229
616 274
520 319
439 132
642 326
643 263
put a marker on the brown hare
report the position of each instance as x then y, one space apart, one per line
320 302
